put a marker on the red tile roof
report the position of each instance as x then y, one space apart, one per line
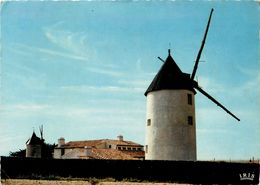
82 144
94 143
113 154
135 154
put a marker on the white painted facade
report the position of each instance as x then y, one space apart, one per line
170 125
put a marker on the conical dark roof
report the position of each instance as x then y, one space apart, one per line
34 140
170 77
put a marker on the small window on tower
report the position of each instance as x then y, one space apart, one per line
146 148
190 120
189 99
149 122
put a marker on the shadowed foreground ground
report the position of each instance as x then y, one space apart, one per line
72 182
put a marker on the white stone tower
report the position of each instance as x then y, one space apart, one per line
170 124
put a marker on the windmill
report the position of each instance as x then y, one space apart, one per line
171 125
34 145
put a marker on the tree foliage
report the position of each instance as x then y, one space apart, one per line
20 153
47 151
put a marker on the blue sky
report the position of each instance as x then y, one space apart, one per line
81 69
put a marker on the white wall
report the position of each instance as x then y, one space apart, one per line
170 137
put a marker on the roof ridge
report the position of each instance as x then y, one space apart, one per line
86 140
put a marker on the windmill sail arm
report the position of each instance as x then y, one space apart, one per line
201 48
215 101
161 59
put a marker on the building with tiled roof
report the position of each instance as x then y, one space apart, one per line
118 149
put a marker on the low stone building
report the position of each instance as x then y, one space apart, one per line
99 149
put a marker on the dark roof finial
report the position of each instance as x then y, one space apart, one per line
169 51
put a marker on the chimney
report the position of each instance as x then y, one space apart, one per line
61 142
120 138
88 151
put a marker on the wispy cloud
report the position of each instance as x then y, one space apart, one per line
18 49
253 83
22 48
110 89
23 108
77 46
30 107
213 114
247 71
248 88
106 71
27 78
75 43
213 131
140 83
61 54
77 114
211 85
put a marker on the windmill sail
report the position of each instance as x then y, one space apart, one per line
41 131
161 59
214 100
201 48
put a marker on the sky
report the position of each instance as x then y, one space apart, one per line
80 69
